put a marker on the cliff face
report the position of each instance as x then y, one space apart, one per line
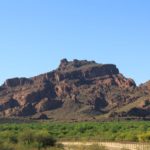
77 89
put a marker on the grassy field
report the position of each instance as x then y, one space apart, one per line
41 135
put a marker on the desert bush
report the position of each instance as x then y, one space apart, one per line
44 140
27 137
9 136
6 146
59 145
145 137
13 138
39 139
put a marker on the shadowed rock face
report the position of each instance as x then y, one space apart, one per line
17 82
77 88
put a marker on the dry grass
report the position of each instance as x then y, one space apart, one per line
86 147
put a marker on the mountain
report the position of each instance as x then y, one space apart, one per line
76 90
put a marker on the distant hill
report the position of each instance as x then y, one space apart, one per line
77 90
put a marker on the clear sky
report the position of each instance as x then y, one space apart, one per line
36 34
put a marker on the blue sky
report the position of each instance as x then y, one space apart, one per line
36 34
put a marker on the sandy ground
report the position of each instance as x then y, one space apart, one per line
112 145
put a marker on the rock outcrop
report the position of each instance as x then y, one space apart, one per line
75 90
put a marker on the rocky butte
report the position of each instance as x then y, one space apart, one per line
76 90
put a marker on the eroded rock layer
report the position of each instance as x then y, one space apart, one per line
76 90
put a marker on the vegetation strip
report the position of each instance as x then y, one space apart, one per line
40 135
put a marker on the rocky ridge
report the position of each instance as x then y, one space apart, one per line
76 90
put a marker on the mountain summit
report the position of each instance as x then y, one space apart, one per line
76 90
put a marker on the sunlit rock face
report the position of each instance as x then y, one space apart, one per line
75 89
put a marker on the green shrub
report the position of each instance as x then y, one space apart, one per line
145 137
9 136
6 146
44 140
13 139
59 145
27 137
